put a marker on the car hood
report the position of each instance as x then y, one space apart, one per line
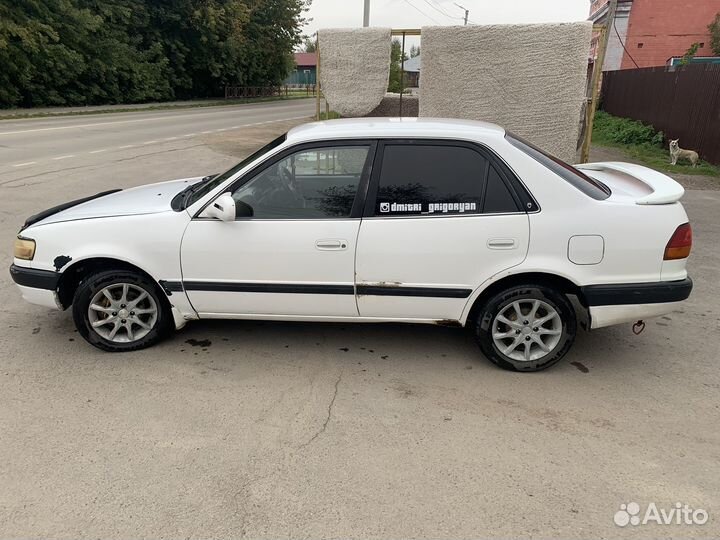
147 199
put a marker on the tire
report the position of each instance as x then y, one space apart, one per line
147 317
506 338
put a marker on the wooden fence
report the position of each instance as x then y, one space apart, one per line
233 92
683 102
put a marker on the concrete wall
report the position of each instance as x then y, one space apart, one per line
530 79
598 15
354 68
615 52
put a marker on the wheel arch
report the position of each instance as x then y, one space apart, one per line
75 273
557 282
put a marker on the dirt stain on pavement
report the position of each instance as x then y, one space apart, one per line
580 366
199 342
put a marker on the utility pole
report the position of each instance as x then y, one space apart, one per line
467 12
597 79
366 14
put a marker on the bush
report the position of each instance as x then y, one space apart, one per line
332 116
611 129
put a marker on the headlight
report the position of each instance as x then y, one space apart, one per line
24 248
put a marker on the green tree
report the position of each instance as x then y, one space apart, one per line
309 45
414 51
77 52
714 28
689 54
396 57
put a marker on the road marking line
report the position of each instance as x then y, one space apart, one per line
157 117
25 164
235 127
149 142
126 146
99 151
190 135
222 129
205 132
170 139
63 157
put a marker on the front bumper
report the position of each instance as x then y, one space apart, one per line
630 302
37 286
37 279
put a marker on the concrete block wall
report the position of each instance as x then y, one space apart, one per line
354 68
530 79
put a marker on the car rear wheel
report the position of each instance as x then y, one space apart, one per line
120 311
526 328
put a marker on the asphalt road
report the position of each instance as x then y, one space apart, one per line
281 430
73 141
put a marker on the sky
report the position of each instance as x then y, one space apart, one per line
418 13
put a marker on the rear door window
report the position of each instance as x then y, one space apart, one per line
418 179
498 199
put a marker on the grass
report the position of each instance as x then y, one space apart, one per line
154 107
332 115
643 144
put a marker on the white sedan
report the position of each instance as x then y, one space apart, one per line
372 220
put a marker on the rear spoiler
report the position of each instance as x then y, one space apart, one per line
665 190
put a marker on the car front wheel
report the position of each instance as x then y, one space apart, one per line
526 328
120 311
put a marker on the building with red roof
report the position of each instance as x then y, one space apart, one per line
305 71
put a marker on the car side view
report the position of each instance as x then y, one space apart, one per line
432 221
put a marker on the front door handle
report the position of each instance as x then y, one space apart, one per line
331 245
501 243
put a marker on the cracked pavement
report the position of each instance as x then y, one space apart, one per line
280 430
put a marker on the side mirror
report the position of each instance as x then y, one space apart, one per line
243 210
222 208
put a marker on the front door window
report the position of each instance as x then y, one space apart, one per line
319 183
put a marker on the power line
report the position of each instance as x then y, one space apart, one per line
421 11
439 9
623 45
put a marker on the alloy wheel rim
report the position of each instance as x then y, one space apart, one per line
122 313
527 330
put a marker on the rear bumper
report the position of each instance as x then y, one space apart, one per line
622 303
623 294
37 286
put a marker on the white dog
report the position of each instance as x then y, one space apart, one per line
678 153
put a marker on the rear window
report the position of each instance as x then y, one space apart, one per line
589 186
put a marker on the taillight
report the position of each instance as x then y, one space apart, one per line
680 243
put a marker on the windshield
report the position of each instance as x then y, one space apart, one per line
590 187
202 189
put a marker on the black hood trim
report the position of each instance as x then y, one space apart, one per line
59 208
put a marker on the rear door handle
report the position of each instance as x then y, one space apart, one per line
331 245
501 243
